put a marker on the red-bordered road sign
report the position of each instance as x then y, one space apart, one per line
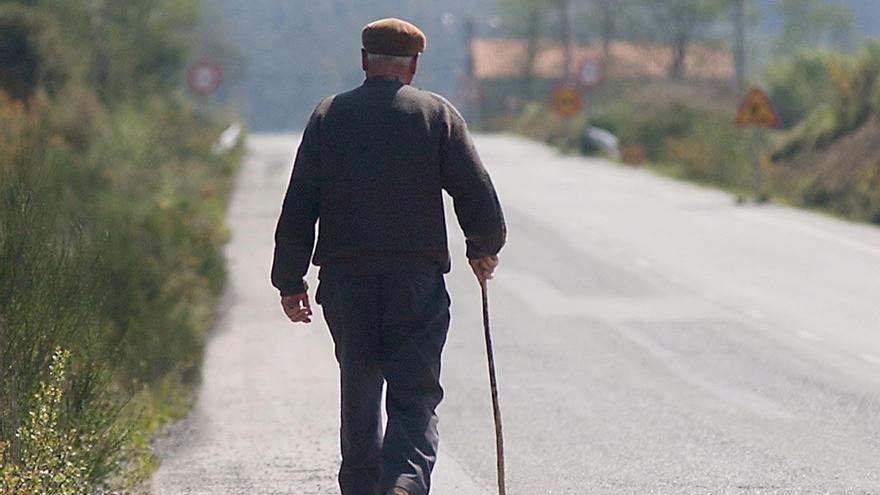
757 110
591 73
567 101
204 78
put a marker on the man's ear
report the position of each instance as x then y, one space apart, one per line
414 65
365 62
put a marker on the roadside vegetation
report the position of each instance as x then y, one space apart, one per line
825 87
111 235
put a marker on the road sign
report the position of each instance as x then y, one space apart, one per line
757 110
204 78
567 101
592 73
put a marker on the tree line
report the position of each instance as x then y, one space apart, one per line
679 23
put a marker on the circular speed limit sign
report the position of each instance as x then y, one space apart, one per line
592 73
204 78
567 101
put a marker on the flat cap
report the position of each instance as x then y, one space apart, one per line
393 37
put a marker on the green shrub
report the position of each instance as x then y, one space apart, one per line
111 236
829 160
799 84
116 256
51 296
817 130
31 52
50 458
713 151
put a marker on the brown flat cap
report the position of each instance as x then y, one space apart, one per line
393 37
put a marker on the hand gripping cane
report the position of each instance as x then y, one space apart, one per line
493 383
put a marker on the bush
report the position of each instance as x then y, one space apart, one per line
116 256
111 235
31 53
50 458
841 109
799 84
830 159
816 131
51 296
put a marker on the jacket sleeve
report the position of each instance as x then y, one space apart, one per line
466 180
295 232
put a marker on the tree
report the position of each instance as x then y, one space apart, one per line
680 21
807 23
526 17
137 45
609 10
31 53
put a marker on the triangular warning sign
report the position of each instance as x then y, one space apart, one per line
757 110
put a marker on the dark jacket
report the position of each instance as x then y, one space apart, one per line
372 165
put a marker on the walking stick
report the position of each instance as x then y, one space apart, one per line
493 383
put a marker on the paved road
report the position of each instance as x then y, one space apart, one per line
652 337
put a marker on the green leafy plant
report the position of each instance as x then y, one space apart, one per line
51 460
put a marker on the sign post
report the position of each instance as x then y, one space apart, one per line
203 79
757 111
566 101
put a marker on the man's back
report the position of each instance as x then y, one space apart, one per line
381 173
372 167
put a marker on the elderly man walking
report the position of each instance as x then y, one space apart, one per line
372 166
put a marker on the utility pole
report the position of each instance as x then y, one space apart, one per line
469 33
608 28
568 77
472 87
532 52
567 39
739 7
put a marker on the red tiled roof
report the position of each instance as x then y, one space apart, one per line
497 58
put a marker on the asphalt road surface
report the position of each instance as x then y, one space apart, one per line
651 337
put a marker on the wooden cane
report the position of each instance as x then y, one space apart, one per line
493 383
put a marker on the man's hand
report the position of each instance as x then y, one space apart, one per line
297 308
484 268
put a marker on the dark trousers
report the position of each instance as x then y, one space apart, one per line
388 329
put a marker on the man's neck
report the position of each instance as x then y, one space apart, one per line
384 74
383 77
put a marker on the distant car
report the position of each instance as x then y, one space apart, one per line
598 141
